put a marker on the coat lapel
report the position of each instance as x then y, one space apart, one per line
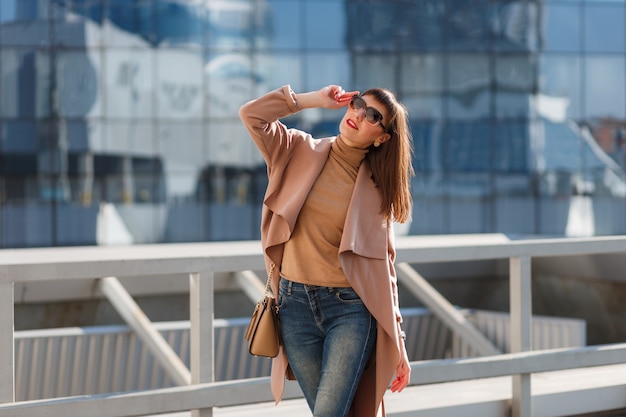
365 229
288 187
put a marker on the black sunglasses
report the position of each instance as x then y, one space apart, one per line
372 115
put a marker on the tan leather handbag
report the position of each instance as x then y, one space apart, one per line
263 334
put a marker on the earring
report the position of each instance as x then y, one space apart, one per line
376 143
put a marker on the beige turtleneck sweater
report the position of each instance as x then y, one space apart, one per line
312 254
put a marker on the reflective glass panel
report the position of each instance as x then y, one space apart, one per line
325 68
511 147
18 137
514 204
228 143
287 24
515 83
282 68
129 23
605 86
516 72
24 34
375 70
561 83
25 83
422 74
149 186
237 24
129 83
231 79
136 137
427 143
77 134
181 144
516 25
78 83
326 25
562 27
511 105
467 146
371 26
467 211
180 83
422 85
180 23
419 25
467 25
96 134
24 10
469 82
604 28
78 24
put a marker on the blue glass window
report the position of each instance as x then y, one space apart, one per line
25 83
511 147
604 86
24 22
180 23
467 146
19 137
325 25
419 25
562 28
179 83
467 25
287 24
371 26
128 82
560 76
129 20
322 68
604 28
77 82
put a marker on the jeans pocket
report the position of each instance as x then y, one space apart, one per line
347 295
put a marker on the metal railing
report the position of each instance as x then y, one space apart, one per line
202 261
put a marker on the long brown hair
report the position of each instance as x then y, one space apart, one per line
391 164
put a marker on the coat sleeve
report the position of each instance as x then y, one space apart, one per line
261 118
391 258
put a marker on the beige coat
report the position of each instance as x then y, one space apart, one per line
366 251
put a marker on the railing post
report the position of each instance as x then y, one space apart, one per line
521 330
201 314
7 344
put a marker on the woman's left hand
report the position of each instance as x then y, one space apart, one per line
403 372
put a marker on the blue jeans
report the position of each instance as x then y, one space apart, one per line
328 336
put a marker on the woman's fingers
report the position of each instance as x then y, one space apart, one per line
399 383
346 96
403 375
337 95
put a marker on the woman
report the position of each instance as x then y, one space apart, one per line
327 228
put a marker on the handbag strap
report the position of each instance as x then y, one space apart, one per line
269 279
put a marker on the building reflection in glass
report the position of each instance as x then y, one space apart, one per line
119 118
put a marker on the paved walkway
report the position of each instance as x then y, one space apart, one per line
555 394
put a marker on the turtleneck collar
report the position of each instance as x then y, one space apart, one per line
348 154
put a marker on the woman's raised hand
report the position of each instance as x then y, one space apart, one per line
335 97
329 97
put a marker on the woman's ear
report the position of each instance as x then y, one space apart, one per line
384 138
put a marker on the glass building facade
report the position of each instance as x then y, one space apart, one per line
119 124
